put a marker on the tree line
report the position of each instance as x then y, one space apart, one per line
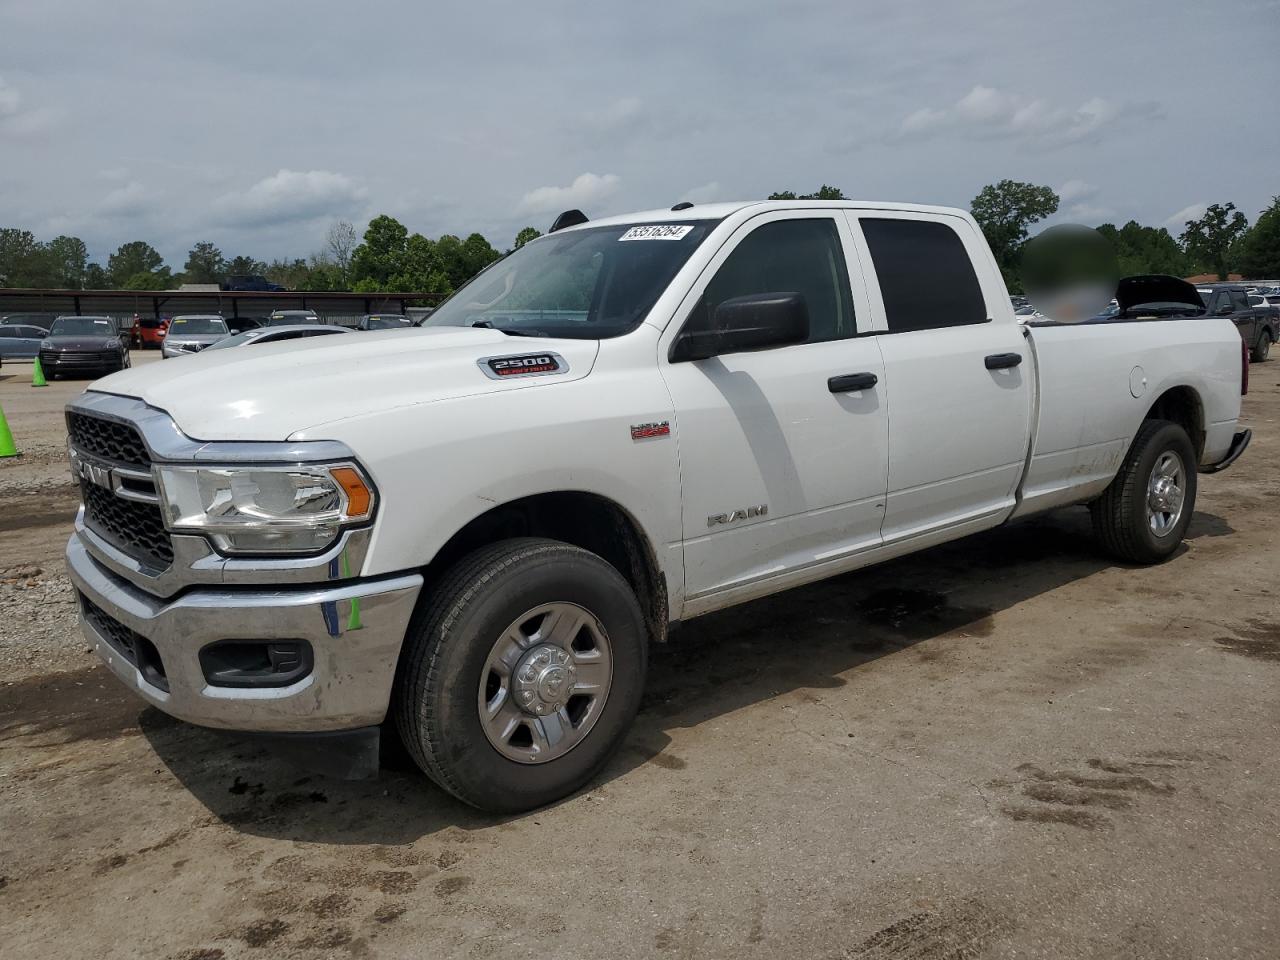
388 258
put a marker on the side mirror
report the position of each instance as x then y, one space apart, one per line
754 322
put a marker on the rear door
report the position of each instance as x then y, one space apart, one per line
958 368
782 463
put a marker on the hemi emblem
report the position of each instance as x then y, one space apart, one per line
643 431
523 365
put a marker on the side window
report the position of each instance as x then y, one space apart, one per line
791 256
1238 300
8 332
926 278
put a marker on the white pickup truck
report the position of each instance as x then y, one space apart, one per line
471 532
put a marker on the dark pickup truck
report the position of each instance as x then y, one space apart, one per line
1258 325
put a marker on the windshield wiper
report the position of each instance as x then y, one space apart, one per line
510 332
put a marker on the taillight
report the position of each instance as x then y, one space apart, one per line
1244 367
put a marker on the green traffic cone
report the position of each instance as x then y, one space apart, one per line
37 374
7 447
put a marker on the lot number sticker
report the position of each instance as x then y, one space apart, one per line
658 231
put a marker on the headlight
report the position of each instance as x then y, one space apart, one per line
46 344
293 509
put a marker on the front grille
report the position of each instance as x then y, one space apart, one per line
130 644
136 528
77 356
108 439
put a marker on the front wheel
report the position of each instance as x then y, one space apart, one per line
1263 348
521 675
1143 515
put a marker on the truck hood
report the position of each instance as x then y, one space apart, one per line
82 342
278 391
1155 288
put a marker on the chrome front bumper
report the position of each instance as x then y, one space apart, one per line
355 629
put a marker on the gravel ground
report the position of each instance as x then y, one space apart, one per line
1004 747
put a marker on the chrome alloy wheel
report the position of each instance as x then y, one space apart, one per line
1165 494
545 683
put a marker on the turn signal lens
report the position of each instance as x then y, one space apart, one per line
359 497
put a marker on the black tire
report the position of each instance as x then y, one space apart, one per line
1263 349
1120 518
435 701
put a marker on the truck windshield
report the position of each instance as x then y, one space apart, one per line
588 284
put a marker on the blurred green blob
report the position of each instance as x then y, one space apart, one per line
1069 272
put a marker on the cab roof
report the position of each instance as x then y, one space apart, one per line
718 211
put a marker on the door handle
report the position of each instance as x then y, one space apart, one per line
848 382
1001 361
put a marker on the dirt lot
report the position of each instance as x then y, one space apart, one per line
1007 747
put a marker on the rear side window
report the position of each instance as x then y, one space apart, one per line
1239 300
926 278
792 256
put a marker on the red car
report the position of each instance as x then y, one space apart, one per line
150 332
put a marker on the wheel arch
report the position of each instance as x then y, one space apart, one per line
1182 405
587 520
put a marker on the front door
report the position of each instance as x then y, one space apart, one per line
782 464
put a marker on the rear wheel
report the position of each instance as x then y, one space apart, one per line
521 674
1263 348
1142 516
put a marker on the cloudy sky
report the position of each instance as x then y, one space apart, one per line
255 125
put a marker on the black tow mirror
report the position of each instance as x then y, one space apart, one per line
754 322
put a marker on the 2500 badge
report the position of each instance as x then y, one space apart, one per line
524 365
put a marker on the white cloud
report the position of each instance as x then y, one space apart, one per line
1193 211
1075 191
585 190
290 196
706 193
17 121
125 201
989 113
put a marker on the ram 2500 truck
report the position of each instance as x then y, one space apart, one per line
470 533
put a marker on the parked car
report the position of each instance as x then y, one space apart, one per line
384 321
262 335
564 466
191 333
151 331
77 344
250 281
241 324
42 320
1258 326
280 318
20 342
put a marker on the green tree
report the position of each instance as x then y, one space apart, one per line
1259 249
68 259
20 256
244 266
1142 250
381 255
134 260
95 278
525 235
205 264
822 193
477 253
1004 211
1209 240
453 260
